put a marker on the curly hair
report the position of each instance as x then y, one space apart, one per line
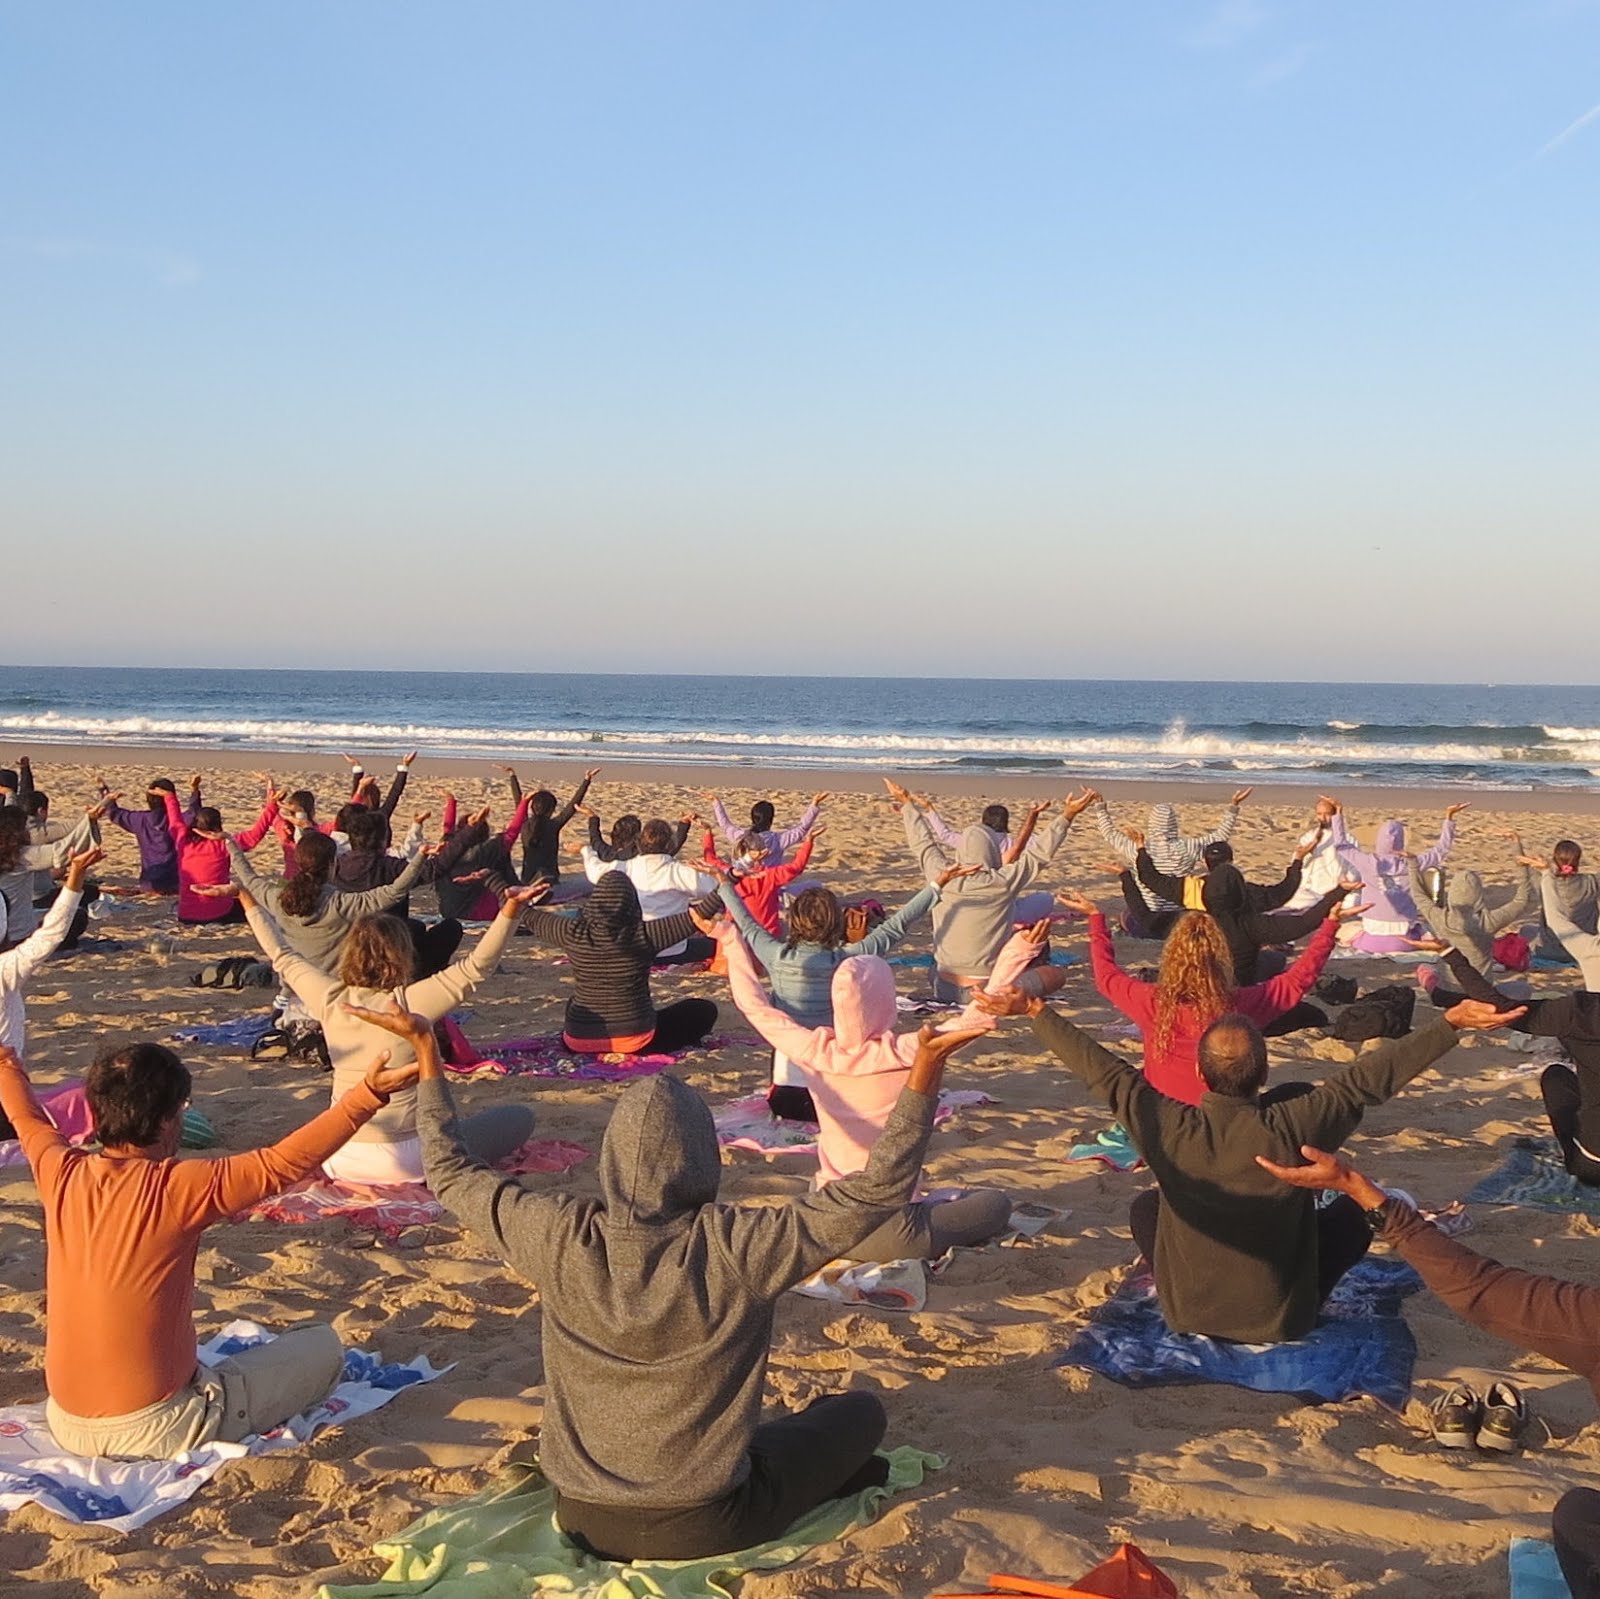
1196 971
13 837
378 953
815 917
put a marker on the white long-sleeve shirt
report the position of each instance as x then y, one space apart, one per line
19 964
664 884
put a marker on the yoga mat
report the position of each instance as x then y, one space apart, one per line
503 1543
1535 1571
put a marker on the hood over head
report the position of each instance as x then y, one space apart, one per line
1217 854
1162 823
1390 840
978 847
659 1160
612 912
1223 892
1464 891
863 1000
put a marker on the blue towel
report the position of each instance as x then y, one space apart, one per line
1534 1176
240 1033
1535 1571
1361 1345
1113 1146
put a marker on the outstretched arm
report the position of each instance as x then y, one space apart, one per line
782 1032
1522 905
767 948
887 934
1430 859
1122 846
1158 882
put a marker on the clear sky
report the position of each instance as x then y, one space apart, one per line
1008 337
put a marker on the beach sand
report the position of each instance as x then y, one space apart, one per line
1232 1493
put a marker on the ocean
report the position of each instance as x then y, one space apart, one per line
1321 734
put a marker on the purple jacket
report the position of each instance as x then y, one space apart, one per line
158 858
1385 872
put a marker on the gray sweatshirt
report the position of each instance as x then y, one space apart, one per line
973 917
1465 921
657 1300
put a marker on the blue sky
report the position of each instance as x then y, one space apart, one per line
1249 338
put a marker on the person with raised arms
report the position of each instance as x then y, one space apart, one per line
657 1306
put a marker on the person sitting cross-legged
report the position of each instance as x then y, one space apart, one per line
657 1304
1235 1254
122 1225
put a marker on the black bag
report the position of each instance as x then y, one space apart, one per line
1337 990
1384 1013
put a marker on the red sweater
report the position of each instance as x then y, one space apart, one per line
762 891
1176 1070
204 861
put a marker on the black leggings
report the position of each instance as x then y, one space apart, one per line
825 1451
1563 1103
682 1023
1343 1235
1575 1525
434 945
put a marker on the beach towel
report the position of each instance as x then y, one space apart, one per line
389 1208
241 1032
1113 1148
124 1494
1361 1345
548 1056
504 1543
748 1124
1534 1177
880 1285
1535 1571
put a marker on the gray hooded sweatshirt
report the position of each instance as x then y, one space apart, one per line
657 1300
974 915
1466 921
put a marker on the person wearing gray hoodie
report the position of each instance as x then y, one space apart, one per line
1465 921
977 910
657 1314
1173 852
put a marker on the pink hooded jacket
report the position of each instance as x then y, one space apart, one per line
856 1068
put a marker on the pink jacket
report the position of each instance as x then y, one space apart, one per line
203 862
856 1068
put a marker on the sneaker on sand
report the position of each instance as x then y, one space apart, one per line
1505 1416
1456 1418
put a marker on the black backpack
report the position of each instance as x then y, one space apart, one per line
1384 1013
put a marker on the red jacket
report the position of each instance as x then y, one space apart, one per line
204 861
762 891
1176 1072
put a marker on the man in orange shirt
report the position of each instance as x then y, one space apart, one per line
122 1227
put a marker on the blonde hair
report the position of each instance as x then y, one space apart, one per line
1196 970
377 954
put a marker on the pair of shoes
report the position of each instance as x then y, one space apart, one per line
1496 1421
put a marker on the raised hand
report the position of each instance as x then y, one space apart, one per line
1349 913
406 760
933 1050
898 792
1349 884
1305 848
1134 836
1477 1016
392 1017
384 1079
1008 1002
1324 1170
78 867
822 798
350 760
951 873
1536 862
1453 811
1240 795
1078 803
1074 901
516 900
215 890
710 926
478 817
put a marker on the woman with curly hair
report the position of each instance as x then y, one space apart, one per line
1195 986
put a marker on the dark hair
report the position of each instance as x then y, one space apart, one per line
1233 1057
761 814
13 838
38 803
208 819
165 784
368 829
1217 854
996 818
625 831
134 1091
1567 853
815 917
314 856
655 837
303 800
346 812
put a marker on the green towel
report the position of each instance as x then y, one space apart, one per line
503 1543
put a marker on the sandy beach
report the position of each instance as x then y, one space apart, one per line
1232 1493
